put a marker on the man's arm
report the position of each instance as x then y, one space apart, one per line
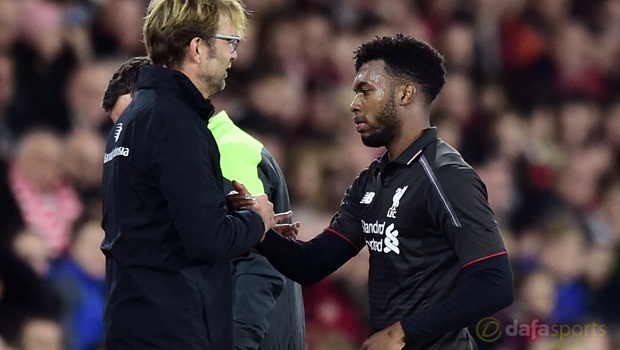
488 289
307 262
186 171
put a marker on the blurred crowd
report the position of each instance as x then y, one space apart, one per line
532 101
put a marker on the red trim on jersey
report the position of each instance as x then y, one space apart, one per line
341 235
484 258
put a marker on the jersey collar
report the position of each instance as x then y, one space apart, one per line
415 149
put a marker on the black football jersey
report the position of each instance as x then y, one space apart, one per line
423 216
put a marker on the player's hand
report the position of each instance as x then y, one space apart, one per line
391 338
280 217
240 198
288 230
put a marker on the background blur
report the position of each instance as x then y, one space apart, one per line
532 101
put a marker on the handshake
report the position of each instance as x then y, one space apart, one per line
240 197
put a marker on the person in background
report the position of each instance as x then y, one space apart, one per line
30 246
123 86
47 203
24 296
83 94
44 62
82 167
41 333
79 279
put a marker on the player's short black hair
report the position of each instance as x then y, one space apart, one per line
406 58
124 81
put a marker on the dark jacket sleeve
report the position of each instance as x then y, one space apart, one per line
307 262
186 162
488 289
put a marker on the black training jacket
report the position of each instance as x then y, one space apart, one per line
169 241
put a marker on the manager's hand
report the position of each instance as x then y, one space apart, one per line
265 209
240 197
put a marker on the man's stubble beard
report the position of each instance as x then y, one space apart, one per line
388 127
214 83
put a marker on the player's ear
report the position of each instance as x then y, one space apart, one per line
406 94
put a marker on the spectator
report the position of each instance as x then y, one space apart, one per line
9 22
24 295
84 91
82 167
44 61
117 30
41 334
563 254
47 203
32 248
79 278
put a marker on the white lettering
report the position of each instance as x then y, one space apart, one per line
374 228
376 246
382 245
117 151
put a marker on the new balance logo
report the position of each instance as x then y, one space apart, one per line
117 132
367 198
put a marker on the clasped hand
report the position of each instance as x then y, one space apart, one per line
240 197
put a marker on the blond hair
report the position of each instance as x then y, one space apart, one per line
170 25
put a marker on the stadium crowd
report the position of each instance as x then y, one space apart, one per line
532 101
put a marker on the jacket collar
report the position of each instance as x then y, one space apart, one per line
154 77
415 149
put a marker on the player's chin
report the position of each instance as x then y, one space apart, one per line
371 141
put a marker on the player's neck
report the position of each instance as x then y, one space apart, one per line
409 134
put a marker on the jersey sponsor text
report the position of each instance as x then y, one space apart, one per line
382 245
117 151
